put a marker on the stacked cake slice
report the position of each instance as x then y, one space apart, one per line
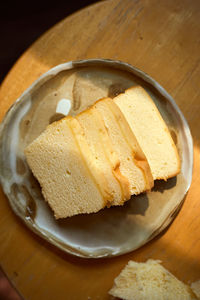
151 132
105 154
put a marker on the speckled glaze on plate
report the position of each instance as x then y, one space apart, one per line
112 231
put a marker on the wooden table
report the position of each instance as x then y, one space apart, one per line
161 38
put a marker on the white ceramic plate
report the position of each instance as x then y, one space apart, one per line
112 231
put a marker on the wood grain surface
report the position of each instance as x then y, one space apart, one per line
161 38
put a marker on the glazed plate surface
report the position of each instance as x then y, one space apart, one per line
68 89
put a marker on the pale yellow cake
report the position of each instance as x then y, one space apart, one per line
66 181
101 148
149 281
89 158
133 163
151 132
105 154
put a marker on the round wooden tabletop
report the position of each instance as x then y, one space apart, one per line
161 38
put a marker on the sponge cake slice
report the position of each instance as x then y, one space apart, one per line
133 163
151 132
67 184
88 157
150 280
106 160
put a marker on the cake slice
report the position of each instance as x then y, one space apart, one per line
67 183
151 132
150 280
90 161
133 163
103 152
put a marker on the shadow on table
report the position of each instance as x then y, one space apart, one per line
22 23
